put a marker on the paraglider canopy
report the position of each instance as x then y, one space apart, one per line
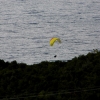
53 40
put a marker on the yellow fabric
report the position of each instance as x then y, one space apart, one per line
53 40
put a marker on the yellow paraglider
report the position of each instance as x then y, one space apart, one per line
53 40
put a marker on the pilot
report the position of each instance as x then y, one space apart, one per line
55 56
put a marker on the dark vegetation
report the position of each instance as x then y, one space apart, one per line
76 79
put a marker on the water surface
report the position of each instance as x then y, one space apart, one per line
26 26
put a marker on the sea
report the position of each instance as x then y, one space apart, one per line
26 27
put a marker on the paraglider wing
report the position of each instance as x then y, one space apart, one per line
53 40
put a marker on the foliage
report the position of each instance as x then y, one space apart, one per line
76 79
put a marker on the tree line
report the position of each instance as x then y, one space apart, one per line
76 79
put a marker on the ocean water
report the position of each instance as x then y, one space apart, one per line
26 27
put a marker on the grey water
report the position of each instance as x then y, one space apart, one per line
26 27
